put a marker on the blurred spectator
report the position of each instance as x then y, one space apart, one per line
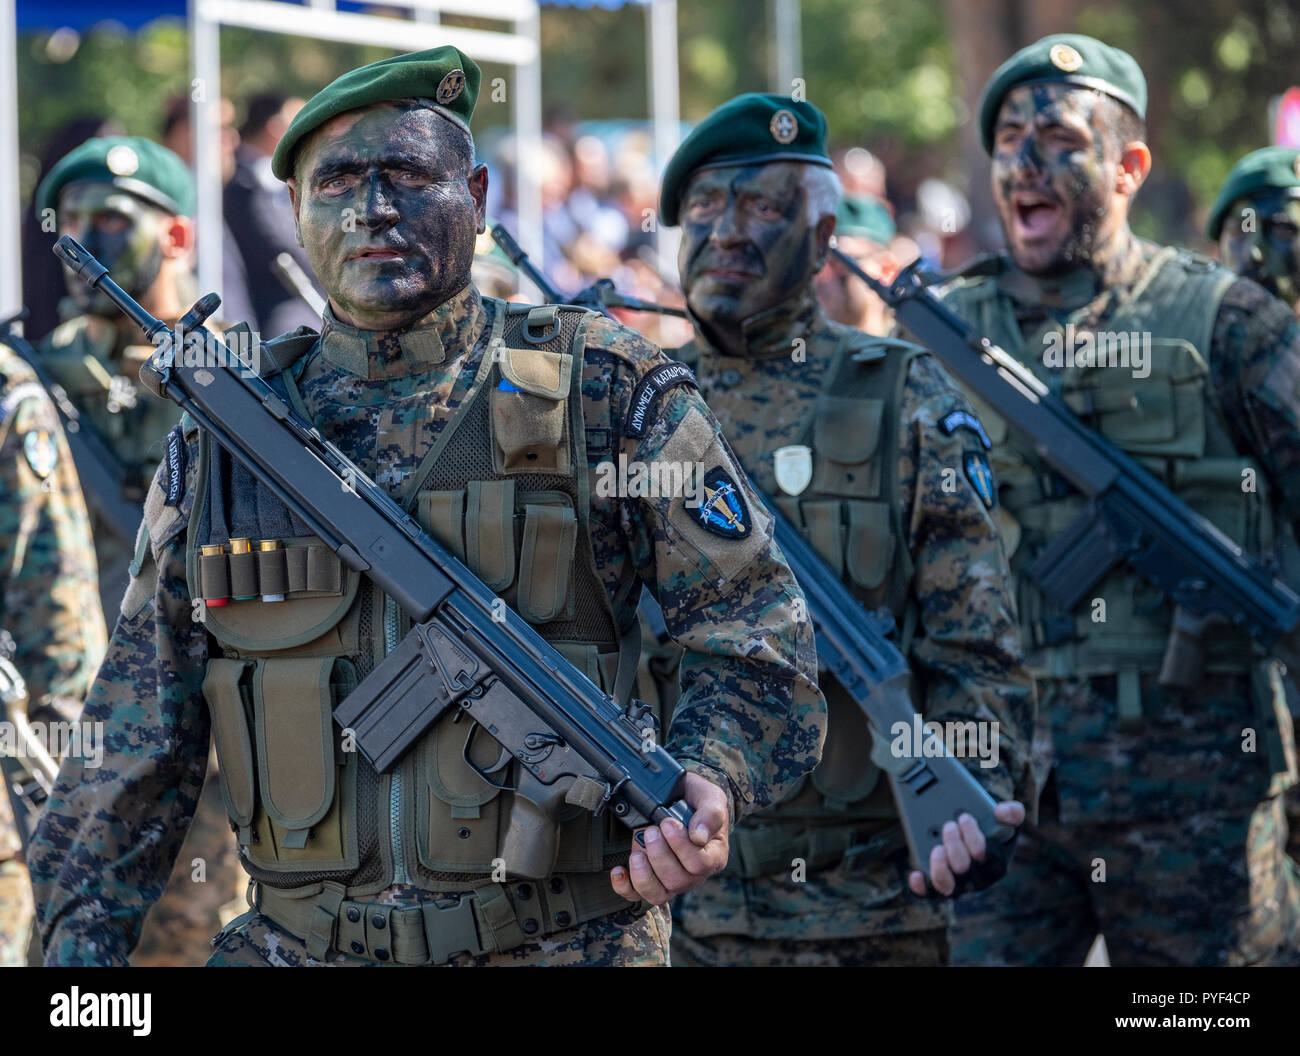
236 304
41 271
259 215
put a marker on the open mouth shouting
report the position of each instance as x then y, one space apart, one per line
1035 217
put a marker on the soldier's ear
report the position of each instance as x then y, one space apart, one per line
822 234
293 200
1134 167
178 237
477 180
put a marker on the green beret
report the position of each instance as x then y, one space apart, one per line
1275 168
135 164
1066 58
862 217
446 76
743 131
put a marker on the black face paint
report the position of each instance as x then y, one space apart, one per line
386 214
1054 170
1260 239
748 243
121 231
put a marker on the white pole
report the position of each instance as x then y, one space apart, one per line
205 130
787 44
665 113
526 102
11 286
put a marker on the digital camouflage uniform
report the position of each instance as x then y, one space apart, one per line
1161 826
892 506
411 409
47 589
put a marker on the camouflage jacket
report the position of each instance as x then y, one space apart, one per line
751 719
964 651
47 563
1154 764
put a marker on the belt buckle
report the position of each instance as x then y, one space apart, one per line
449 930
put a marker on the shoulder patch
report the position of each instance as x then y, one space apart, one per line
955 420
981 477
722 509
647 392
173 467
41 451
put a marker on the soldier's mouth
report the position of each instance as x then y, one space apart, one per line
1035 215
376 254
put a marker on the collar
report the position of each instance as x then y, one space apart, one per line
768 333
454 326
1078 287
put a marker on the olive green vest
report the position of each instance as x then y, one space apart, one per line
1170 421
505 488
850 513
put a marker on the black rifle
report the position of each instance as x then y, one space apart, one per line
466 649
29 773
930 786
101 475
1130 516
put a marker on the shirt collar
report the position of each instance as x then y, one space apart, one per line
769 333
453 327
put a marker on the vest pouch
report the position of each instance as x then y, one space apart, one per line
226 690
305 820
846 773
442 515
1216 488
868 543
1160 414
825 531
530 412
459 819
550 532
490 531
846 437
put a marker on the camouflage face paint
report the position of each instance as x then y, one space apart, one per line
123 232
747 243
1054 169
1261 240
386 213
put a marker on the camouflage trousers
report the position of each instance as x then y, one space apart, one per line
626 939
925 948
16 913
1206 889
205 890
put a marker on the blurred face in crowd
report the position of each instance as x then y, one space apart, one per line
1062 180
130 237
1261 240
388 206
845 298
748 243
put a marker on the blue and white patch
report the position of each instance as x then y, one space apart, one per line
722 510
980 477
955 420
41 451
508 386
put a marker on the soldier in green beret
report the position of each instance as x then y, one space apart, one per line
869 449
1256 221
497 428
130 202
1161 825
864 228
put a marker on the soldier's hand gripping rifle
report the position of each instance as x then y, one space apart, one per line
466 651
1130 516
98 470
30 771
930 785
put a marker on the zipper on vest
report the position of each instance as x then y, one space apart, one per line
400 875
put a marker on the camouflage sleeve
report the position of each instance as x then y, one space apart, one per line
750 717
1255 357
966 654
50 582
114 824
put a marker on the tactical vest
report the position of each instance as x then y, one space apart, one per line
1170 422
505 488
843 811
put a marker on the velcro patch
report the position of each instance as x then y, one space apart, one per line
175 463
647 393
955 420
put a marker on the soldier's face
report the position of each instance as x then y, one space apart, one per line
747 243
1261 240
123 232
388 207
1054 173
